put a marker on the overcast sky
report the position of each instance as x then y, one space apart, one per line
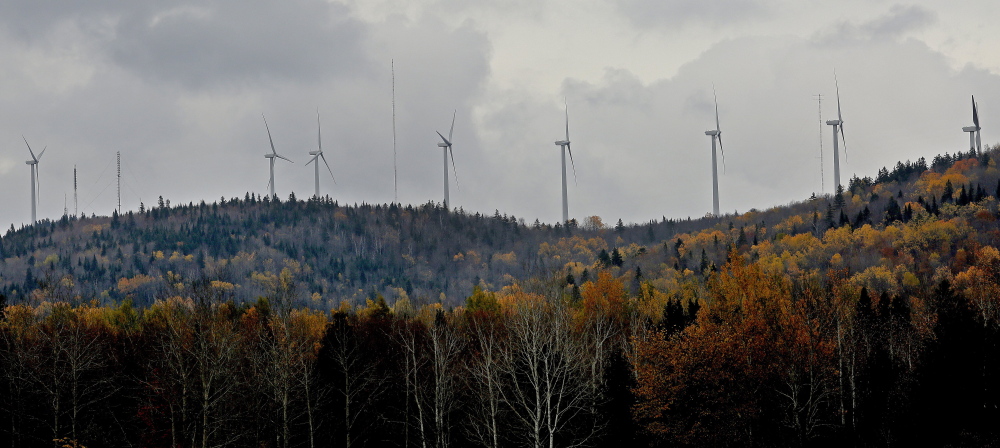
179 89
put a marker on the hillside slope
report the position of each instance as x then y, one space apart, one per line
909 222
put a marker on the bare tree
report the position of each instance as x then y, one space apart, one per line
486 381
445 356
358 382
548 368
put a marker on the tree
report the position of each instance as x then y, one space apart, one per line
547 366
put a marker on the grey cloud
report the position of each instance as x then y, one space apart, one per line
678 12
231 42
899 20
191 144
641 151
206 44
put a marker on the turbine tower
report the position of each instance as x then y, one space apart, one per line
319 154
446 146
274 154
975 142
716 134
837 124
33 166
564 145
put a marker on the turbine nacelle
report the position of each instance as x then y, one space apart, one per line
314 153
834 122
712 133
562 143
443 145
270 156
965 129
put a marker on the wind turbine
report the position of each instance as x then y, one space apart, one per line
274 154
446 146
838 123
33 166
317 155
564 145
716 134
975 142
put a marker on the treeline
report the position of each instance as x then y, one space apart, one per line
333 251
817 361
763 359
515 368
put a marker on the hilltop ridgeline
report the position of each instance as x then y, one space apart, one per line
319 253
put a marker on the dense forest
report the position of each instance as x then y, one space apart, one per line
869 317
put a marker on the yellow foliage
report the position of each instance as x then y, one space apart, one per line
223 286
932 183
877 279
576 247
593 223
509 259
129 285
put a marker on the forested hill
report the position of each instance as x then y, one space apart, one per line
319 253
314 252
868 318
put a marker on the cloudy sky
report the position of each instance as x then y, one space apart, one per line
179 88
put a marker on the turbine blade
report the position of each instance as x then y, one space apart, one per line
29 149
717 126
570 149
846 160
840 117
723 151
446 141
313 159
453 170
41 153
979 142
975 113
283 157
319 132
452 127
328 168
269 135
566 108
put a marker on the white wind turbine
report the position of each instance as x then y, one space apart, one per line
564 145
274 154
33 166
446 146
838 123
975 142
716 134
317 155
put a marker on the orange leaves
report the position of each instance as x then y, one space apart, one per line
932 183
575 248
981 284
754 341
606 296
129 285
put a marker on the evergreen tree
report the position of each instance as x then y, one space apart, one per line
616 258
603 258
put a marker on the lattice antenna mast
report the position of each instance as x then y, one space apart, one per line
395 185
119 155
822 175
76 204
